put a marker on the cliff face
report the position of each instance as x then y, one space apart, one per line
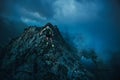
32 57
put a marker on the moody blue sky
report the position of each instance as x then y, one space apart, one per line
90 23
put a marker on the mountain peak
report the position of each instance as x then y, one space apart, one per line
41 53
49 24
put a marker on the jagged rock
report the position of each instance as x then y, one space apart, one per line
32 57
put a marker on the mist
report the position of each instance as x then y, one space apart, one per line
90 23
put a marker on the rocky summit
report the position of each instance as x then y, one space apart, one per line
32 56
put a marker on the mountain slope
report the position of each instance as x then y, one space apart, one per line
32 57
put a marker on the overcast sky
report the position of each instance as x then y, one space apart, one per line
95 23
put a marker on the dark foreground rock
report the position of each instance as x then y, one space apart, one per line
30 57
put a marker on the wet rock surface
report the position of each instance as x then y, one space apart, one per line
32 57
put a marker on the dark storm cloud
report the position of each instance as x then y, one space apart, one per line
30 12
59 11
5 7
43 7
96 20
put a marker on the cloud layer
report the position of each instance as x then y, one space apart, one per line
54 10
96 20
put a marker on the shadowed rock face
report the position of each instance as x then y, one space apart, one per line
32 57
